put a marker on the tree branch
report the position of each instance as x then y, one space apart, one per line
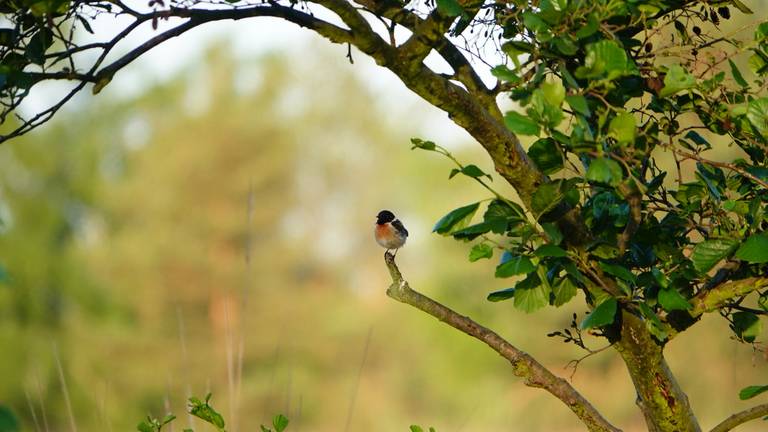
201 16
741 417
464 72
713 299
524 366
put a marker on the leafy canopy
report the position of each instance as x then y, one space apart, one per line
612 92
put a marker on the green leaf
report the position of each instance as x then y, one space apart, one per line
143 426
502 215
758 63
671 300
737 76
653 323
746 325
565 45
416 428
553 232
752 391
515 266
503 73
601 316
38 45
592 26
531 294
564 291
757 114
620 272
280 422
547 156
548 250
605 170
677 79
549 195
623 127
579 104
500 295
421 144
713 178
480 251
681 30
754 250
514 48
455 219
8 421
449 8
741 7
537 25
542 110
554 92
473 231
606 59
698 139
473 171
204 411
708 253
521 124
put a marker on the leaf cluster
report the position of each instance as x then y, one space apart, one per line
203 410
609 89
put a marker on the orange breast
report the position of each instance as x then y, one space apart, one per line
384 233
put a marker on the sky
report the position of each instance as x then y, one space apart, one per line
248 39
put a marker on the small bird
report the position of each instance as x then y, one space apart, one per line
390 232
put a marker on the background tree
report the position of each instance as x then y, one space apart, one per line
606 86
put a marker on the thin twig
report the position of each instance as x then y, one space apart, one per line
353 399
575 363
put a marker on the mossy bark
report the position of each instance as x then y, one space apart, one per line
661 399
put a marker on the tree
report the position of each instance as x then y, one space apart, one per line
609 88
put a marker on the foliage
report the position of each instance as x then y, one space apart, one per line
203 410
8 421
608 89
606 103
417 428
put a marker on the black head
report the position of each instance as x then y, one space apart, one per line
385 216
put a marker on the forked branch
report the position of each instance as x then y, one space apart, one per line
524 366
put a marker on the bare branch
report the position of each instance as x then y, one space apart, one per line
741 417
201 16
729 166
524 366
101 77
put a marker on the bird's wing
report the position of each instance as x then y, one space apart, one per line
399 225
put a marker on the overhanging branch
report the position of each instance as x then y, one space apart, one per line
741 417
524 366
201 16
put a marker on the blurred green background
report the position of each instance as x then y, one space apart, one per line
213 232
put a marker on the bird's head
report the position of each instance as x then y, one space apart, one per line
385 216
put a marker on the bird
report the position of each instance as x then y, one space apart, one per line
390 232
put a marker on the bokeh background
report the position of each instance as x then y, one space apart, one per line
205 224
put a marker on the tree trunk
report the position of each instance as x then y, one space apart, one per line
659 396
